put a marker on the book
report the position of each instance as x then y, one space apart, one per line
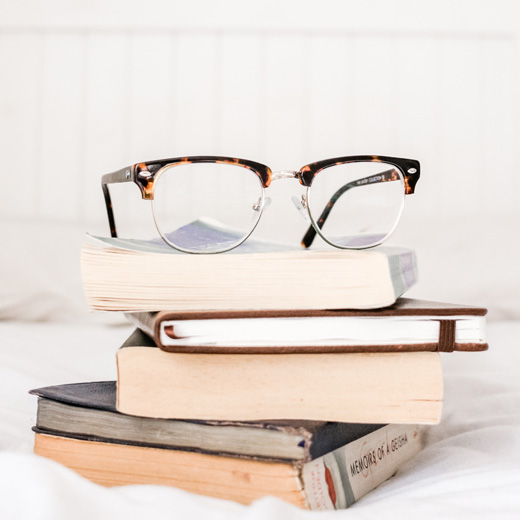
138 275
342 387
88 411
408 325
333 480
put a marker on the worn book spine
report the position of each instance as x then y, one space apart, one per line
339 478
333 481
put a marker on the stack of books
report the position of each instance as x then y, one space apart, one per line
263 371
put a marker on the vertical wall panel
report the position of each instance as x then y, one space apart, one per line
461 140
418 129
500 153
375 111
197 101
514 109
241 83
328 76
286 99
21 62
63 125
108 117
153 95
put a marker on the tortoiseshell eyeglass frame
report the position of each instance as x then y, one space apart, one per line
144 175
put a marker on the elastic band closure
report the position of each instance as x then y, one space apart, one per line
447 335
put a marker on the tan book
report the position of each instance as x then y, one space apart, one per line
361 388
333 481
134 276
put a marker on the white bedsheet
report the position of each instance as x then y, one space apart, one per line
470 467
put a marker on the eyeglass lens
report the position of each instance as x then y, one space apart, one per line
358 204
206 207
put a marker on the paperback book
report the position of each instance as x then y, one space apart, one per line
136 275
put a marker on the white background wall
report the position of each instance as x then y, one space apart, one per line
87 87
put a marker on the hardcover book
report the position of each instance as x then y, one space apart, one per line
88 411
408 325
315 465
343 387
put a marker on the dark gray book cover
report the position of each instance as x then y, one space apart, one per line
88 411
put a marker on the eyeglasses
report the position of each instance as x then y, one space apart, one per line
210 204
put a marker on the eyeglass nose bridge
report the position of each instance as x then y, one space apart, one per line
285 174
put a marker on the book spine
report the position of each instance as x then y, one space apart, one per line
143 320
339 478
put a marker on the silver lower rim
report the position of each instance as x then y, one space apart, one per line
384 239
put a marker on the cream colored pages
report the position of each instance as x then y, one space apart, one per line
133 281
365 388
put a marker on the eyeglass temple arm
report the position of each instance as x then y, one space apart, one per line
123 175
388 175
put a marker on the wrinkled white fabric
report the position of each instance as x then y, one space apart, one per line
470 467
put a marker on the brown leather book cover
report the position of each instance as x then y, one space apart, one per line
448 314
